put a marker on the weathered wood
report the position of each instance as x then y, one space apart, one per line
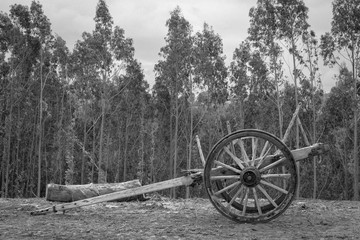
177 182
295 115
70 193
202 158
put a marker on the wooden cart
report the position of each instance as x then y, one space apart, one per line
250 177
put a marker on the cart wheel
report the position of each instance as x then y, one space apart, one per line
250 176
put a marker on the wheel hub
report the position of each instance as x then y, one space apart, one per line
250 177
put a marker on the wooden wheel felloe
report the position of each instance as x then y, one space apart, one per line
250 176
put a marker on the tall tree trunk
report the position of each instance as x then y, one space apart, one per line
314 159
83 159
101 174
142 141
7 149
126 136
152 156
40 124
296 122
118 162
278 103
176 140
93 154
171 149
346 175
356 159
107 157
188 163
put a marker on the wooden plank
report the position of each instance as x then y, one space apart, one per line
181 181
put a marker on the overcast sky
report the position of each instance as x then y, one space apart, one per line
144 22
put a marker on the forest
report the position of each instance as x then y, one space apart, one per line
88 115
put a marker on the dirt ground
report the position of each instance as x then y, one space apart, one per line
162 218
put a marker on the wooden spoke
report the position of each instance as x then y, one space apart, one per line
257 201
283 169
254 143
221 177
228 167
232 147
235 184
235 158
274 164
243 151
274 186
241 189
267 195
265 149
245 201
264 153
277 175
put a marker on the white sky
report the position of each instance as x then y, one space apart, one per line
144 22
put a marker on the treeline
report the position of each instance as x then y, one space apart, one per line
89 115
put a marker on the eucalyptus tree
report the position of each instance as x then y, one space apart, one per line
239 79
63 140
129 112
41 29
27 46
292 24
343 44
173 72
210 76
263 36
210 72
251 86
105 53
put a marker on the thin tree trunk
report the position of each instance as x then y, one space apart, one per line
125 148
314 159
83 152
142 141
40 125
278 103
7 152
171 160
356 159
176 140
152 156
296 123
93 153
107 157
346 177
101 174
118 162
188 164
